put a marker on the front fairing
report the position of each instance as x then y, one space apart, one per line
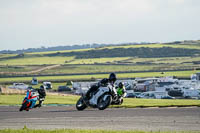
101 91
31 97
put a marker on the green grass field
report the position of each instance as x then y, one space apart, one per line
99 76
26 130
20 68
36 61
7 55
128 102
99 68
187 46
165 60
71 60
98 60
71 69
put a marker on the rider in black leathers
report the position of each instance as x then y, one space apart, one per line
104 82
42 95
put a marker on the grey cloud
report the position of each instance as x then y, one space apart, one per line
32 23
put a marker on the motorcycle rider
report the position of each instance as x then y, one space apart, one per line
42 95
121 90
104 82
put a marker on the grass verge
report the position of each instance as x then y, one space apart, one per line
128 102
50 99
25 130
135 102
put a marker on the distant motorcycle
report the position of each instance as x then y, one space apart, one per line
32 96
100 99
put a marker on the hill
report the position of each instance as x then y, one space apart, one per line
143 52
126 59
57 48
86 46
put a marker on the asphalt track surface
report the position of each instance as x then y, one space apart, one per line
164 119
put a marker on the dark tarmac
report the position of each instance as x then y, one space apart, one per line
164 119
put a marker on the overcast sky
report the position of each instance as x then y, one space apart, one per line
36 23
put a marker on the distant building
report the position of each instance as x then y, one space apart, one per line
147 84
82 87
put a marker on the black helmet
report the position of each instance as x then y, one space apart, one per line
41 86
30 87
121 85
112 77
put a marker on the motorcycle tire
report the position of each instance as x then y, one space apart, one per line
80 105
23 107
103 104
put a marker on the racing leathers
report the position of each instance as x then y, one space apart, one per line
42 95
121 91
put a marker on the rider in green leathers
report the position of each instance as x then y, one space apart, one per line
121 90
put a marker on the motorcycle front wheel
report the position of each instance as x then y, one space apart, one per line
80 105
24 106
104 101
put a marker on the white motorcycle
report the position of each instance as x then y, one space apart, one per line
100 99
